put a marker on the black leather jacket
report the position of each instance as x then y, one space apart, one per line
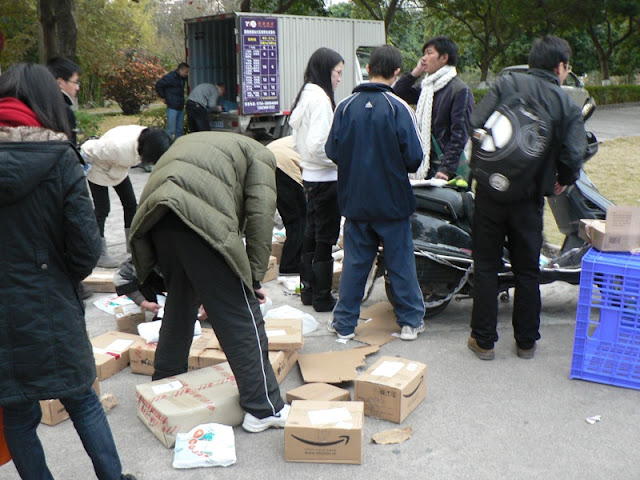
569 137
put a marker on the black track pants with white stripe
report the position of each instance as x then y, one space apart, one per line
195 273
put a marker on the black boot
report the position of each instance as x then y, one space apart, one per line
323 301
306 278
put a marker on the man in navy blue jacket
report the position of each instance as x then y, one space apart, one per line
375 142
170 89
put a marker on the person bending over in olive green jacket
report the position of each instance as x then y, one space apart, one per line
206 193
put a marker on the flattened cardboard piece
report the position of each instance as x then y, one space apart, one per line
101 281
324 432
272 270
319 391
111 352
396 435
334 367
392 388
177 404
128 317
380 329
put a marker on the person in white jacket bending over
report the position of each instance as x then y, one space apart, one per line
311 119
110 157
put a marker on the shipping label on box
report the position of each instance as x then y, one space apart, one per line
284 333
53 411
101 281
324 432
128 317
272 270
318 391
111 352
177 404
392 388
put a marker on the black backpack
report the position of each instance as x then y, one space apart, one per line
510 149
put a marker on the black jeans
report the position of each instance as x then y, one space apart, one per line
521 223
102 205
193 270
197 117
323 219
292 207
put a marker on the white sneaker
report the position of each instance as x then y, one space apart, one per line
340 336
254 425
411 333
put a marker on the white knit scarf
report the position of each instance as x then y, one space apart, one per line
430 84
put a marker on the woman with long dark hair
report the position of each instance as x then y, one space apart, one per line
50 242
311 118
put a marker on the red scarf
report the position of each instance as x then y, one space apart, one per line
14 113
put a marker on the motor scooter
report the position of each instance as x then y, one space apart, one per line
442 231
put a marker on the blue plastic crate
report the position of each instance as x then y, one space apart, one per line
606 348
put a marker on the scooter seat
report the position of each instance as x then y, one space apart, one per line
440 200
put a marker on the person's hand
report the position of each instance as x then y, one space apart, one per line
558 189
202 313
219 107
442 176
261 295
152 307
421 68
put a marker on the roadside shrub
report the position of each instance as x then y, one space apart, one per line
154 117
88 124
130 80
615 94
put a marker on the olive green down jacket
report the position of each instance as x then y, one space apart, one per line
223 187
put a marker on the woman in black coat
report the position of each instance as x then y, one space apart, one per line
50 242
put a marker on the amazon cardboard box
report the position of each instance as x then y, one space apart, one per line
101 281
128 317
324 432
284 333
111 352
272 270
318 391
53 411
392 388
177 404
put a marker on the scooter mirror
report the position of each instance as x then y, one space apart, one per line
588 108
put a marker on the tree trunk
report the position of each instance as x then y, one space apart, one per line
48 25
67 32
245 6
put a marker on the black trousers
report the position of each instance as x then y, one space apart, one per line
197 117
292 207
521 224
102 205
194 272
323 219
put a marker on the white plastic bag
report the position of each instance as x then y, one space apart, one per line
150 331
208 445
309 324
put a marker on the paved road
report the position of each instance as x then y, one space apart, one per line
610 122
509 418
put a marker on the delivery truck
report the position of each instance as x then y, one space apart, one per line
261 59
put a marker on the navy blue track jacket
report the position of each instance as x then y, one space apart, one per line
375 142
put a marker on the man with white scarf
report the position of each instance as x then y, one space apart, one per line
444 106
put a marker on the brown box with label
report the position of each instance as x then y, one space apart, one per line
619 233
282 363
284 333
128 317
177 404
272 270
324 432
392 388
111 352
101 281
53 412
318 391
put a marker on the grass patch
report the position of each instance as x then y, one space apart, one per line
612 170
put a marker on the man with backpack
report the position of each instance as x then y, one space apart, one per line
555 154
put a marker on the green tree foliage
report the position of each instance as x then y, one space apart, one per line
19 25
130 80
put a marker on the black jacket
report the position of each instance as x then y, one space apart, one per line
374 140
452 107
569 137
50 242
72 118
126 283
171 88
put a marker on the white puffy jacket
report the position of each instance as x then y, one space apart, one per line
311 122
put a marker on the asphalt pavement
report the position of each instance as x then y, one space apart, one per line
613 121
509 418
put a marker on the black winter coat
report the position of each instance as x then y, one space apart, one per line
171 89
49 242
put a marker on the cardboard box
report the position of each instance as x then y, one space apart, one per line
282 363
318 391
276 249
619 233
53 412
111 352
101 281
128 317
324 432
337 273
177 404
392 388
284 333
272 270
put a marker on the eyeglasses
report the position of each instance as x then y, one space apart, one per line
567 67
339 72
74 81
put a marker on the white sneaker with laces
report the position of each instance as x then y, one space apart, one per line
254 425
411 333
340 336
